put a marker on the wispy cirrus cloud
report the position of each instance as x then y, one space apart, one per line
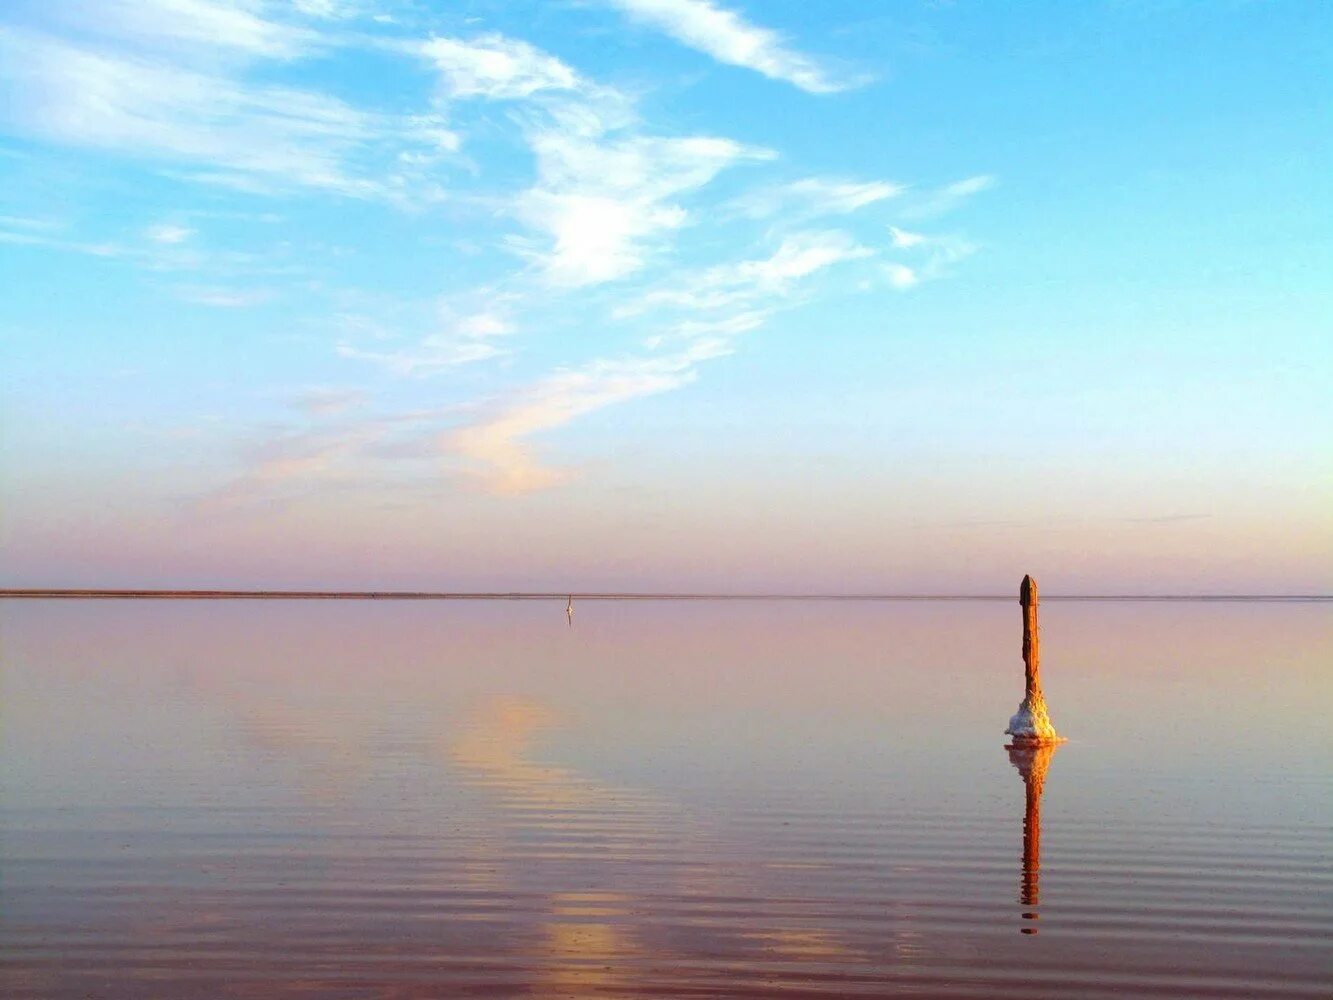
241 27
904 239
45 239
254 136
277 466
498 447
947 197
495 67
464 340
798 256
927 258
604 189
168 232
721 304
600 213
222 297
729 38
813 197
601 200
342 10
25 223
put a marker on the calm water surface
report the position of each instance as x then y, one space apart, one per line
400 800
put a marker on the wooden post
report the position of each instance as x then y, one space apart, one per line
1031 723
1027 599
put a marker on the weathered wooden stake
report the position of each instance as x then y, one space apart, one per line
1031 723
1027 599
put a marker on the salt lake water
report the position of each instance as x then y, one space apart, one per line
435 799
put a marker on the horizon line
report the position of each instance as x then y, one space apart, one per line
99 593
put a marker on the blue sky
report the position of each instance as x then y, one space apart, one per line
666 293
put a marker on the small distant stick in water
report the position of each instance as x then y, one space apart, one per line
1031 723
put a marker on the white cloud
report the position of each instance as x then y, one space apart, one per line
497 445
262 138
177 83
901 276
168 233
465 340
480 325
729 38
236 25
968 187
949 196
224 298
799 256
816 196
601 200
40 239
495 67
335 10
24 222
714 330
903 239
932 257
839 196
432 354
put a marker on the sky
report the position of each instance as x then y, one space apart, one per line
666 295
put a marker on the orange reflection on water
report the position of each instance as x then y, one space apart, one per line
587 957
1032 762
586 945
494 750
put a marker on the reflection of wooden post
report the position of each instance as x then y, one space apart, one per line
1031 723
1031 843
1031 760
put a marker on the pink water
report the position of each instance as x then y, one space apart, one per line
409 799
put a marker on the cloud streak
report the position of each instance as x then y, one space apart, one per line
948 197
812 197
600 201
495 67
729 38
236 26
465 340
616 223
259 137
747 282
497 448
928 258
725 303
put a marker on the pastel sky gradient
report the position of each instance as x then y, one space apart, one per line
666 294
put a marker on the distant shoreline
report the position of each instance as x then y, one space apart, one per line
426 595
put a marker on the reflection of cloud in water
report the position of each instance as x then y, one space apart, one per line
565 829
1032 762
804 943
495 753
585 940
330 761
327 747
587 956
